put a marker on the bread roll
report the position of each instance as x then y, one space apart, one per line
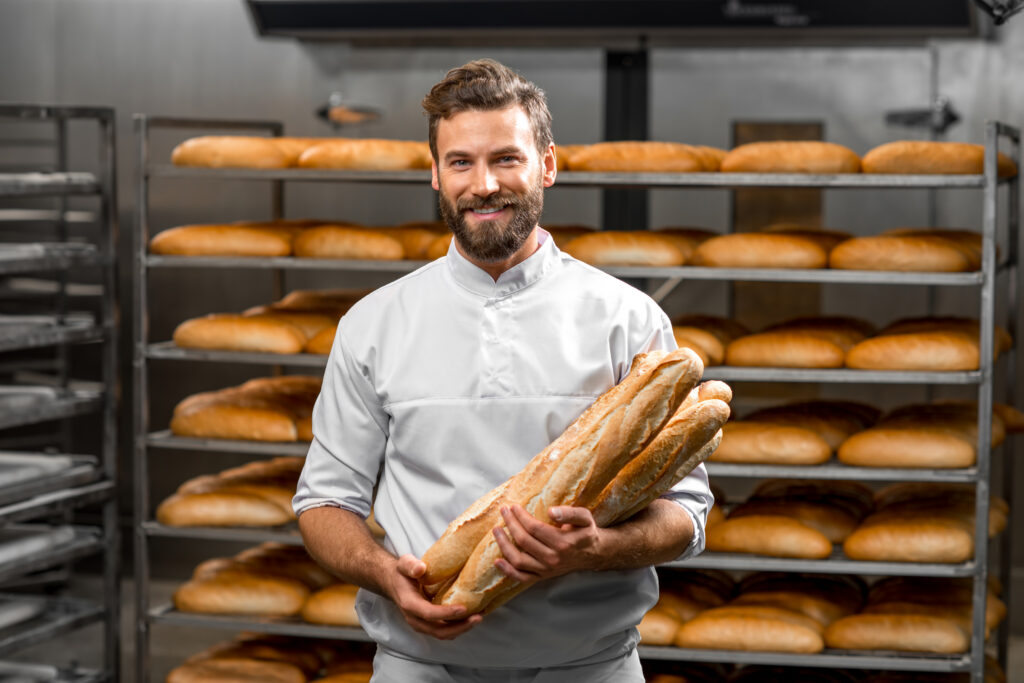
236 671
752 628
926 157
911 252
772 535
761 250
799 156
334 605
222 240
367 155
639 156
749 441
336 242
230 151
625 248
925 344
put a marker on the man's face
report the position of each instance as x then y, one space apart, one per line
491 180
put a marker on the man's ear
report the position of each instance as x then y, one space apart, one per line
550 165
433 175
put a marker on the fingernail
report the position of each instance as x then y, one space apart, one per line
555 514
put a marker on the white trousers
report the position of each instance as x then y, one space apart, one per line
390 668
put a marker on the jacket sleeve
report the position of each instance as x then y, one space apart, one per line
350 431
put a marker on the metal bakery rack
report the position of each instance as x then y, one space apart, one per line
58 478
993 278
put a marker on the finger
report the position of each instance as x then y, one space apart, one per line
411 566
531 536
412 602
513 556
443 630
506 568
576 516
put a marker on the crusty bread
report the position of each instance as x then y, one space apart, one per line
900 632
415 241
267 648
639 156
800 343
658 626
823 598
917 251
626 248
335 605
750 441
710 333
222 240
230 151
232 332
294 147
925 344
927 157
772 535
338 242
241 592
322 341
834 421
236 670
762 250
367 154
791 156
752 627
563 153
439 247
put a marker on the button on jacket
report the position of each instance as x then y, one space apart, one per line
443 384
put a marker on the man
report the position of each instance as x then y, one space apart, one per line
443 384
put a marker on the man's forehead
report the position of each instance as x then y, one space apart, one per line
498 128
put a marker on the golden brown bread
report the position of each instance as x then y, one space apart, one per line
335 605
626 248
563 153
367 154
900 632
658 626
772 535
925 344
710 333
823 598
752 627
236 670
415 241
750 441
834 421
921 250
266 648
227 331
230 151
777 249
686 239
801 343
928 157
639 156
222 240
791 156
339 242
322 341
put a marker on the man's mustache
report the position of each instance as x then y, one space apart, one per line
492 202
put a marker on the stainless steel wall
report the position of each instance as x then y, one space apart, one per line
202 58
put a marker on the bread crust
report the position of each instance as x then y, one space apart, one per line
925 157
772 535
658 627
626 248
367 154
639 156
222 240
227 331
904 253
791 156
761 250
750 441
229 151
752 628
236 670
334 605
338 242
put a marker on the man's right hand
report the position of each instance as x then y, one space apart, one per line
443 622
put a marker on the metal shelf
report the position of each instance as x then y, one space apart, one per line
48 673
840 375
84 541
59 500
24 258
29 405
167 614
836 564
282 262
25 475
169 351
842 659
165 439
56 616
27 332
288 534
46 184
585 179
836 470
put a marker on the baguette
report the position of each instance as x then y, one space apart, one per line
791 156
749 441
338 242
752 627
230 151
222 240
927 157
626 248
262 333
367 154
640 156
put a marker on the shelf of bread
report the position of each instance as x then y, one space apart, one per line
24 672
33 331
48 184
27 548
837 563
171 351
728 373
60 499
167 614
166 439
24 405
806 275
827 658
837 471
26 621
283 263
288 535
29 257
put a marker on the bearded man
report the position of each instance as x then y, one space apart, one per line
444 383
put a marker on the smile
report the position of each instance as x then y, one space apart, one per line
489 211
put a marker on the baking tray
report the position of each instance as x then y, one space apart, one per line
26 548
55 617
45 184
25 475
33 331
836 564
287 534
165 439
21 258
170 350
24 405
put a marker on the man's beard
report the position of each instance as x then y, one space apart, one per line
491 242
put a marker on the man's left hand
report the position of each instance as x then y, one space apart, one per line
533 550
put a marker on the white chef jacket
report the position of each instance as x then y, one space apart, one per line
443 384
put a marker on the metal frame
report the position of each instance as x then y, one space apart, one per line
90 480
984 279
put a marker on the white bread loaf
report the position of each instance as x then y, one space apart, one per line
926 157
791 156
922 250
334 605
230 151
748 441
641 156
765 250
223 240
658 626
753 628
925 344
626 248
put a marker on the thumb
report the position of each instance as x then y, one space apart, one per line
411 566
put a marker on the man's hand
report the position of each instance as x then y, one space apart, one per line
532 550
441 622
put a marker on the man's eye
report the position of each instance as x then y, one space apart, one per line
507 160
460 162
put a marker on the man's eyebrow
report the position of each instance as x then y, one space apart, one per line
504 151
455 153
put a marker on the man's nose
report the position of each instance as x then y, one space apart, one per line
485 182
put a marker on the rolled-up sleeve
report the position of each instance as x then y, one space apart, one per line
350 431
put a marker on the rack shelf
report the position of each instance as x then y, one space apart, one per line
83 542
27 332
53 617
836 564
21 406
835 470
165 439
24 258
60 499
170 351
288 534
25 475
48 184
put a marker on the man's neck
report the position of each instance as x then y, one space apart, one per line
496 268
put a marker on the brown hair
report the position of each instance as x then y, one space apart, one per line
486 85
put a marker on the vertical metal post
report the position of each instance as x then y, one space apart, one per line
62 351
626 104
109 230
277 213
140 405
985 339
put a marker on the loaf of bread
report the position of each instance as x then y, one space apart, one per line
658 626
367 154
223 240
791 156
565 152
925 344
322 341
231 151
833 420
334 605
925 157
707 334
340 242
800 343
653 423
688 593
916 250
922 523
415 241
262 333
924 435
824 598
782 248
750 441
752 628
266 409
236 670
299 653
640 156
626 248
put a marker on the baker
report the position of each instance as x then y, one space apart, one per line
444 383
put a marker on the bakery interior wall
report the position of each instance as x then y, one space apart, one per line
199 58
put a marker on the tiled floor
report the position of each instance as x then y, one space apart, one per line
170 645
